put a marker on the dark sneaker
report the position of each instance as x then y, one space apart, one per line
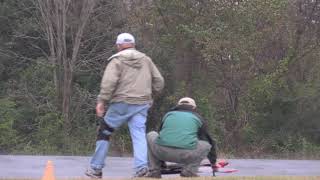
97 174
153 174
186 173
141 172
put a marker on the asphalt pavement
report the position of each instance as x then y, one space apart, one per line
12 166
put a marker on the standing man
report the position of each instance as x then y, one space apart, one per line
183 139
126 88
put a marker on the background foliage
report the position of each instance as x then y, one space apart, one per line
252 67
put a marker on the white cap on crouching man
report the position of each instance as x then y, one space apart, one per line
187 101
125 38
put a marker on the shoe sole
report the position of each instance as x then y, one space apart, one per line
93 176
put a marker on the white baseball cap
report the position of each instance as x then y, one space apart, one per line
125 38
187 101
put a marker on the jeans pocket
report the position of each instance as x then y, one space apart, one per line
118 108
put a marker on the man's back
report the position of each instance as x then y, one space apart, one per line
132 76
179 129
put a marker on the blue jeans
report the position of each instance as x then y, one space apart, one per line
136 116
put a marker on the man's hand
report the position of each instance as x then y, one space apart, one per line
100 109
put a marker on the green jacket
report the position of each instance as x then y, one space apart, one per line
179 130
130 77
182 127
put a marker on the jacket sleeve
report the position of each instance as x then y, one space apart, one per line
157 79
109 81
204 135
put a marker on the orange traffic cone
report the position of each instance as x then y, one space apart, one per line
49 172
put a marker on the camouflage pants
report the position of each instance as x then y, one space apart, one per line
189 159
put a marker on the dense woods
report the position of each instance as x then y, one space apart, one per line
253 67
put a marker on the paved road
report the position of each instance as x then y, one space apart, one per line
117 167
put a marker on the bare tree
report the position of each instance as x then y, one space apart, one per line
64 22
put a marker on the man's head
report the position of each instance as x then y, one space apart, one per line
187 101
124 41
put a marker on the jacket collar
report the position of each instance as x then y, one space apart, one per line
183 108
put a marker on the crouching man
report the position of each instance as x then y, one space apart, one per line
183 139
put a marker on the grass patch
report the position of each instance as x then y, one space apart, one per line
198 178
251 178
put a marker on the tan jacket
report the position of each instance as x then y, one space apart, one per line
130 77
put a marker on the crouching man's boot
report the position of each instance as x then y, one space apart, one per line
153 174
187 173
